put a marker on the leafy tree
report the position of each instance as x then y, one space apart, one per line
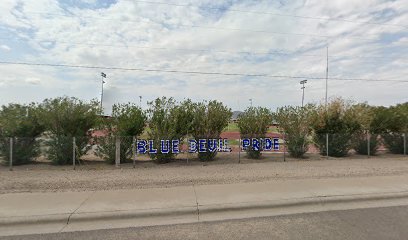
295 124
127 121
339 122
254 123
65 118
168 121
21 123
208 122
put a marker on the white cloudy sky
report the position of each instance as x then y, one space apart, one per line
284 38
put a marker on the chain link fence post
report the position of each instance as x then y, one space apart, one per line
73 152
11 154
327 145
405 143
187 151
239 151
117 152
134 151
368 143
284 147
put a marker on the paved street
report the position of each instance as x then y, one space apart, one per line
372 224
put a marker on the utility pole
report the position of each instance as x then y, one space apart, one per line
103 75
303 89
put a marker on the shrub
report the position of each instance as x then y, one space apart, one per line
21 123
392 123
106 148
361 144
65 118
208 122
168 121
339 123
254 123
394 142
295 123
364 115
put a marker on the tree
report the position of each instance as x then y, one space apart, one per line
168 121
208 122
65 118
127 121
339 122
254 123
295 124
20 122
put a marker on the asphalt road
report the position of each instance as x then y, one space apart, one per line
374 223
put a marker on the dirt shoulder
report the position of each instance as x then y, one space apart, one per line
99 176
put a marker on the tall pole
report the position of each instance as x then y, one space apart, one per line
140 101
250 101
103 75
327 79
327 73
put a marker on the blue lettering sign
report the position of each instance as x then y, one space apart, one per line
152 150
175 146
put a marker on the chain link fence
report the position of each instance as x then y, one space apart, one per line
123 151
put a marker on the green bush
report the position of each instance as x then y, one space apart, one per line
339 122
60 148
294 123
208 122
21 123
392 123
394 142
65 118
168 121
127 121
364 115
106 148
360 143
254 123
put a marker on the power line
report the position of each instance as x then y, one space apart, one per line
175 49
279 52
274 14
198 72
212 28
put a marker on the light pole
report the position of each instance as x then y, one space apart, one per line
303 90
250 101
140 102
103 75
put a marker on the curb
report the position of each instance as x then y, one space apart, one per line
196 211
302 202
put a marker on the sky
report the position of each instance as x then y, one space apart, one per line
285 41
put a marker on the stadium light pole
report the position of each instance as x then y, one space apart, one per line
250 101
103 75
140 102
303 89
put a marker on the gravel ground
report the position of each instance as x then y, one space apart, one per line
100 176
